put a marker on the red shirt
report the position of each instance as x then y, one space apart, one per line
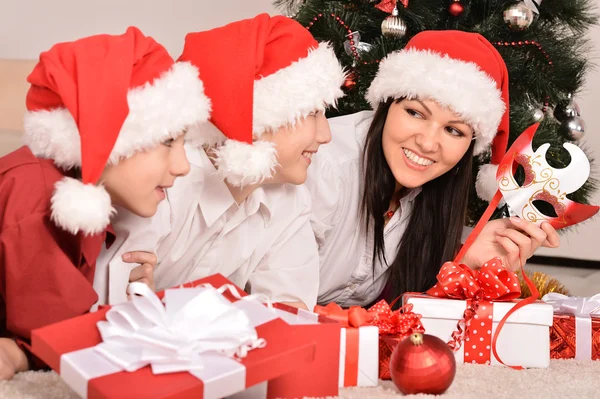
46 273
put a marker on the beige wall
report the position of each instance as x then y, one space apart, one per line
28 27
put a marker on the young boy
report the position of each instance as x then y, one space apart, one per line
105 126
242 211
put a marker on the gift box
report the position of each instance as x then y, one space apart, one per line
359 345
468 310
319 378
394 326
114 368
575 332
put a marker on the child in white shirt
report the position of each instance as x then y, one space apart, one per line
241 211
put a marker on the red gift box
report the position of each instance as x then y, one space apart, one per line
575 332
319 378
67 345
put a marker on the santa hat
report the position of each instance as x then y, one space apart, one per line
459 70
260 74
97 100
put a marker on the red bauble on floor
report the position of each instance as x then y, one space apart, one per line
422 363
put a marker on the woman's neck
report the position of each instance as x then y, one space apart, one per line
397 188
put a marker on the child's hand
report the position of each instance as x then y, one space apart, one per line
12 359
144 273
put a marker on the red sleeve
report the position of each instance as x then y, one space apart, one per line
39 282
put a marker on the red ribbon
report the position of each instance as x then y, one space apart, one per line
401 322
398 322
389 5
493 282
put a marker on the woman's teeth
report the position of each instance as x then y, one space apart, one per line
417 159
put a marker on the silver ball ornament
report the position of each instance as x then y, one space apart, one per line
573 128
538 114
565 110
518 16
393 26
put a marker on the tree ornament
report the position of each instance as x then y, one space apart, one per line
544 284
573 128
393 26
566 109
350 81
538 114
518 16
422 363
456 8
354 47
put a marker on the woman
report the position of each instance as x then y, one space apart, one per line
96 138
390 191
242 211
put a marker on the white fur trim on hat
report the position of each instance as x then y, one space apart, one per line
310 84
158 111
486 184
81 207
205 134
461 86
243 164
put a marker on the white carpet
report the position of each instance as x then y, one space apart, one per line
564 379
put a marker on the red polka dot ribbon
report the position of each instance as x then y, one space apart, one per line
493 282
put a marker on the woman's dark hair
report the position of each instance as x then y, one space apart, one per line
435 226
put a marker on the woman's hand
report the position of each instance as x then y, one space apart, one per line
513 240
144 273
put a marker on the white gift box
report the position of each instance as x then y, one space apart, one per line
523 341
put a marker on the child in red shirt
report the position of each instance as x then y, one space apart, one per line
105 126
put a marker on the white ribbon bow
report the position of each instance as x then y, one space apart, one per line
174 337
533 5
583 309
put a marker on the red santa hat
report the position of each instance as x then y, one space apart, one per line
459 70
260 74
100 99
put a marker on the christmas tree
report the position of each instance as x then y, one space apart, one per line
542 43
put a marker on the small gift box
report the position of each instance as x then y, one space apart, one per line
202 342
358 354
477 314
575 332
394 326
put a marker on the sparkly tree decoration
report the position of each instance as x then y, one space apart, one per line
543 43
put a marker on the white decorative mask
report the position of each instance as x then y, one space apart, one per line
544 183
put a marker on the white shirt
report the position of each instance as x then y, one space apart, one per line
347 275
266 244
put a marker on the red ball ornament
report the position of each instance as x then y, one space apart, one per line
350 81
456 8
422 363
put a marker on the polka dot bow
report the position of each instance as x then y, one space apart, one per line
492 282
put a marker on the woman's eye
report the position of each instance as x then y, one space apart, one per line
454 131
414 114
169 142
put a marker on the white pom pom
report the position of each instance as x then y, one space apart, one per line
487 185
81 207
242 163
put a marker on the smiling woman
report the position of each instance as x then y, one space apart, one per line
390 191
